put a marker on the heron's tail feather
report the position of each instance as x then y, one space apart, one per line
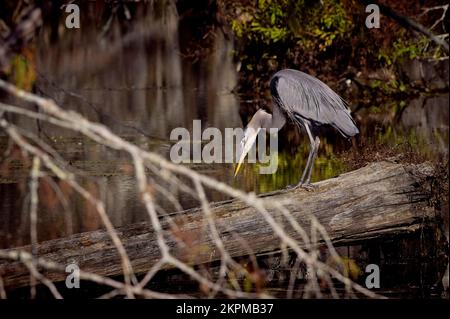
345 124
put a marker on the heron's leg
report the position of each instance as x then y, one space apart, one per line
310 156
305 170
313 159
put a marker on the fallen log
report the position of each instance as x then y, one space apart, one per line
378 200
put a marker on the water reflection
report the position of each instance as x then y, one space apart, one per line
135 79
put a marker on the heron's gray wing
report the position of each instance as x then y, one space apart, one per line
300 94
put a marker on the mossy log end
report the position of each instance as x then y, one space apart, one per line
381 199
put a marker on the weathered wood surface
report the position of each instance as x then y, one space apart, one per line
377 200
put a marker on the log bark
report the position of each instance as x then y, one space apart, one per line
381 199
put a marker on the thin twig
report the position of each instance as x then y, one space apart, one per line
34 184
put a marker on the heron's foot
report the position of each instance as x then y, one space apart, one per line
306 186
291 187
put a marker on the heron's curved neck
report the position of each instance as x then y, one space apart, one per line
278 118
262 119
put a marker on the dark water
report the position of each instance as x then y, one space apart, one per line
142 80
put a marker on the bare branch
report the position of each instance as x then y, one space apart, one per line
172 174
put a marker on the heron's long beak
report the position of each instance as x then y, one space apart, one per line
249 141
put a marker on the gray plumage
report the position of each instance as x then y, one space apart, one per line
301 96
309 103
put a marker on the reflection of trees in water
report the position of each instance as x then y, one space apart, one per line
124 73
136 74
428 116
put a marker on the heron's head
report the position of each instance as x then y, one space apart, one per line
261 119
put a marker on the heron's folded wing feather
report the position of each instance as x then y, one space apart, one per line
296 92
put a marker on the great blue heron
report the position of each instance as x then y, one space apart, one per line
309 103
